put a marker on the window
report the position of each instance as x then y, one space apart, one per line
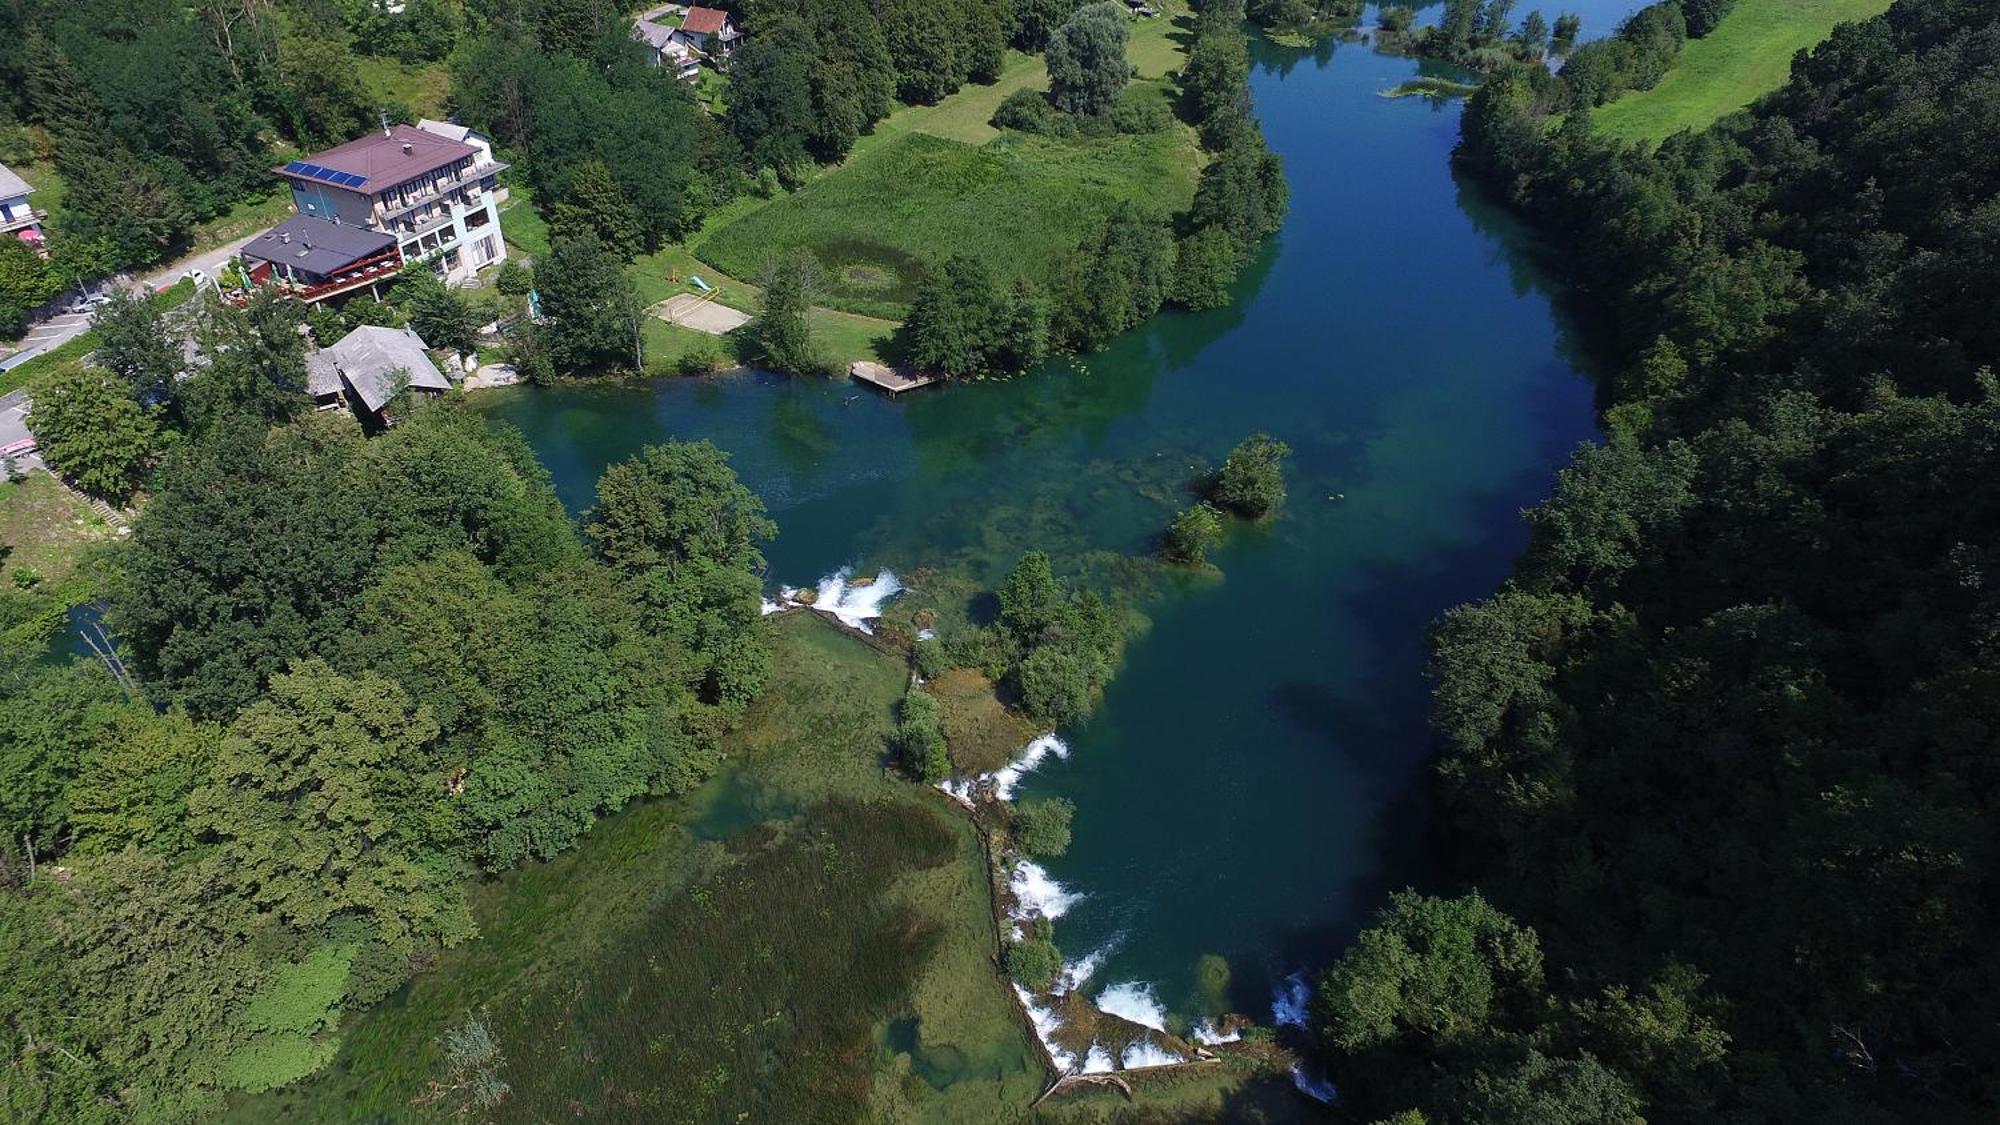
476 219
482 251
451 258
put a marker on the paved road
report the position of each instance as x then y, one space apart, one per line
13 418
60 330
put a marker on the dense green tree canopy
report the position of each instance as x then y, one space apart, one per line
92 431
1725 734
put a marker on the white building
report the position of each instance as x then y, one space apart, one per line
430 187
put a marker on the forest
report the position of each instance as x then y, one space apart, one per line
1717 762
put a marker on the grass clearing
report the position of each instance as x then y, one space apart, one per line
247 217
44 529
807 938
48 184
1748 55
1018 203
420 87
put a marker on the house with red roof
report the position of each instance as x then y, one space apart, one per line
709 30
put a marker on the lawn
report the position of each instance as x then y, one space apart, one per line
43 529
247 217
1018 203
1748 55
807 938
843 336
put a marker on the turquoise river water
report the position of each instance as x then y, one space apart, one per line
1251 784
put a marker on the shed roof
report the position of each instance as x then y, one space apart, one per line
378 162
316 245
368 361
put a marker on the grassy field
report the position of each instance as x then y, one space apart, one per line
43 529
1018 202
1747 56
931 181
808 938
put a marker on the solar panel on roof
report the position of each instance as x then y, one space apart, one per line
327 175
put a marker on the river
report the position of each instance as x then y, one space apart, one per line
1251 784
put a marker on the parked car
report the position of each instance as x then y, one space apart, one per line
90 302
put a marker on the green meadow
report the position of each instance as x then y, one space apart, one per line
1018 203
1748 55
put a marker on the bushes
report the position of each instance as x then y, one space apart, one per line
92 432
963 323
1086 57
1041 827
919 739
1252 480
1192 533
1033 959
1634 59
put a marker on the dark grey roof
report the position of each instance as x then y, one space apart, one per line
316 245
371 362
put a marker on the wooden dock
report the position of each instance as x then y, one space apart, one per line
890 379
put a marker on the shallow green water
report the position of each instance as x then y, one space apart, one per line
1249 785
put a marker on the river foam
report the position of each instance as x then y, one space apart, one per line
1005 780
1145 1052
855 606
1208 1035
1314 1086
1036 894
1135 1001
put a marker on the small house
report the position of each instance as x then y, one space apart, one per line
368 368
710 31
313 259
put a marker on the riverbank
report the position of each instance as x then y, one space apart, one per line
1746 56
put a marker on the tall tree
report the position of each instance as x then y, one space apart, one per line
591 312
784 327
1086 57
